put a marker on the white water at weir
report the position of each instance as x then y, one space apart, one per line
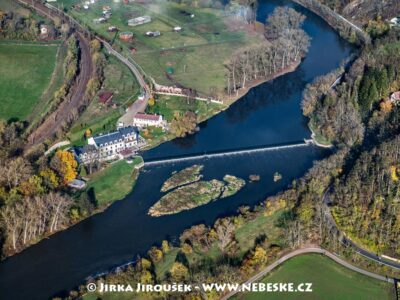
306 143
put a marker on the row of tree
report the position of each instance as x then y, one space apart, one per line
287 44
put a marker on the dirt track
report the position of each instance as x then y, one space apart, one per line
76 94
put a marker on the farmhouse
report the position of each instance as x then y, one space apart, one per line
139 21
110 145
143 120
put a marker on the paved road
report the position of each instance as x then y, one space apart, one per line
310 249
55 120
347 242
139 105
56 146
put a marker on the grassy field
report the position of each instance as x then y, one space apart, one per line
196 54
330 281
100 118
25 73
114 182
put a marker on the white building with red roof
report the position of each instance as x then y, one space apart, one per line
143 120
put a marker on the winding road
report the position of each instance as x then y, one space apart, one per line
139 105
347 242
309 249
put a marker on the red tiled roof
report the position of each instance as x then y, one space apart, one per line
104 97
147 117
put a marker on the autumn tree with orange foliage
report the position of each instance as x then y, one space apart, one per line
386 106
65 165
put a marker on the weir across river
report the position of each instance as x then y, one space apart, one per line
259 149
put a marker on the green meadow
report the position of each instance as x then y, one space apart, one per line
196 55
330 280
25 73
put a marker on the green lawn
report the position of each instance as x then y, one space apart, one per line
168 105
197 54
99 118
114 182
25 73
330 281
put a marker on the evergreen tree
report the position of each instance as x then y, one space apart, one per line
391 73
382 82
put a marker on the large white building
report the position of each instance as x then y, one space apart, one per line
143 120
111 145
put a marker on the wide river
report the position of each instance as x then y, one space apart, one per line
268 115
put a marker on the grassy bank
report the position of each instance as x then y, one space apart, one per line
330 281
24 76
114 182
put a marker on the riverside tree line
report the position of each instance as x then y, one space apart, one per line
285 44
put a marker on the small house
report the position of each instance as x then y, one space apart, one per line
99 20
142 96
177 28
139 21
395 21
112 29
105 97
153 33
44 30
395 98
77 184
107 15
141 120
126 36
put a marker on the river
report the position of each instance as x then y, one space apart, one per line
268 115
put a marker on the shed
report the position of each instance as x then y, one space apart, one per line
105 97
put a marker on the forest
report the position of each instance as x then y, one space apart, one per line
359 112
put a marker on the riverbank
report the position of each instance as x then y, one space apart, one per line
344 27
254 83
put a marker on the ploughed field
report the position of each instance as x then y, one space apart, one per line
193 57
330 281
25 74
